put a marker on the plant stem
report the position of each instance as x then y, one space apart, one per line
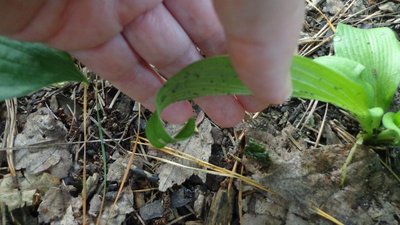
353 149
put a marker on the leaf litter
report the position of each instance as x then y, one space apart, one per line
300 175
199 146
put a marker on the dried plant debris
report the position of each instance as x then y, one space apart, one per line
311 177
199 146
42 145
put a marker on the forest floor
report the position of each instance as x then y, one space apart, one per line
303 146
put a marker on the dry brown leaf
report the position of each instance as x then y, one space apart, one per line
54 205
199 146
43 129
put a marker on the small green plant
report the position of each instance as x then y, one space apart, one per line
362 78
254 150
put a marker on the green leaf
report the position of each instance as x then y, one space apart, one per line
211 76
216 76
392 131
333 80
379 51
256 151
26 67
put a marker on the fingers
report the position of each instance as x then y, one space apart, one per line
158 38
261 40
116 62
75 24
200 22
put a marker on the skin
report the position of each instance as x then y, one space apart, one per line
119 39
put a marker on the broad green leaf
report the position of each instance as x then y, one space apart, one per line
379 51
27 67
216 76
334 80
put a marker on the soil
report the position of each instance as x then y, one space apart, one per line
306 144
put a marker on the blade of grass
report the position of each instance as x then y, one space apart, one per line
103 153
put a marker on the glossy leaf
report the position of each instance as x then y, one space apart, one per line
27 67
379 51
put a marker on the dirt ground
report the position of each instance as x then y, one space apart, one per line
293 172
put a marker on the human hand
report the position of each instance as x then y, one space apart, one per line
118 39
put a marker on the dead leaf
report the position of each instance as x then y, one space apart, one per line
20 191
123 207
199 146
95 205
152 210
73 214
15 198
54 204
43 129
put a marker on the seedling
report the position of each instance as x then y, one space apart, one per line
362 78
254 150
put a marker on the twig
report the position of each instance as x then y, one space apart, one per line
11 124
84 186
